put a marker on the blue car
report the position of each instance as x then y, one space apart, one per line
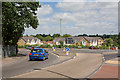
38 53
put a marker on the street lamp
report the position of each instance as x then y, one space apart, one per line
60 26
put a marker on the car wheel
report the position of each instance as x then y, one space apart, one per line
30 59
47 57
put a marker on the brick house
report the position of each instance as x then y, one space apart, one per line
56 41
28 41
89 41
94 41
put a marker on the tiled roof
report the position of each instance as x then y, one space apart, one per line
76 38
92 38
63 39
29 38
59 39
48 42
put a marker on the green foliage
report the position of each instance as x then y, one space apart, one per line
48 38
45 38
40 37
103 47
61 43
45 46
16 16
108 42
72 46
56 35
66 35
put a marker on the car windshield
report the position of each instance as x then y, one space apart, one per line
36 50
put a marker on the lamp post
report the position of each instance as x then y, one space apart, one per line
60 26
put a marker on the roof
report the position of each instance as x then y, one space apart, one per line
63 39
59 39
76 38
92 38
48 42
26 38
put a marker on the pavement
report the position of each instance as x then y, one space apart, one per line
79 67
109 69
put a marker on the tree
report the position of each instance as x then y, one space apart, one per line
48 38
56 35
108 42
66 35
40 37
61 43
32 35
16 16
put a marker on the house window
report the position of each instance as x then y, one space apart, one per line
75 41
83 42
28 41
69 41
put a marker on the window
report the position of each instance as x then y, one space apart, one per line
69 40
28 41
37 50
75 41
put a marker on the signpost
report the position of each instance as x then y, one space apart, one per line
53 48
67 51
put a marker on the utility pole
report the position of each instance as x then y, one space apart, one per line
60 26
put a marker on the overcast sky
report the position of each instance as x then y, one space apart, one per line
77 18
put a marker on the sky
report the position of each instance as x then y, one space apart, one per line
86 17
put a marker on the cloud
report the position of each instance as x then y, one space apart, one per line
44 10
78 18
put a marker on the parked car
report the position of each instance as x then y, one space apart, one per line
29 47
38 53
37 47
113 48
92 47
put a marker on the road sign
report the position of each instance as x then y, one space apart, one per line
67 51
53 48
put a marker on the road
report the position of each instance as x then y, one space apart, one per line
97 51
24 66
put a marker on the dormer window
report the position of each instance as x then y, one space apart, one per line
28 40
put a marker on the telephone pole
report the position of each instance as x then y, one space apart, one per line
60 26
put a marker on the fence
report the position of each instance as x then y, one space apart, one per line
8 51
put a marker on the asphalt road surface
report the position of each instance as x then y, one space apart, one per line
25 65
94 51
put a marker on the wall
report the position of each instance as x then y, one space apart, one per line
8 51
100 41
86 42
21 42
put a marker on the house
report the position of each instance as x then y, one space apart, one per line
73 40
56 41
86 41
94 41
49 43
28 41
68 41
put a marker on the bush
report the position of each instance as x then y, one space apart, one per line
86 47
21 46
